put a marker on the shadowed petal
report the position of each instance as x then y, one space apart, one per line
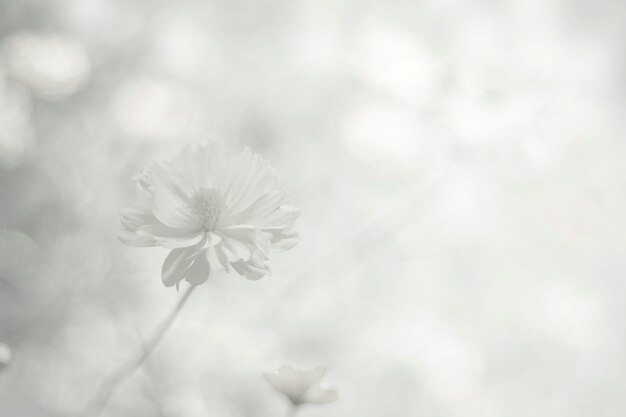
199 270
217 259
234 249
249 270
175 265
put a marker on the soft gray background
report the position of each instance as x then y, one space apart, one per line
460 169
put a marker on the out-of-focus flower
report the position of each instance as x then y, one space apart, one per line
397 63
301 387
52 65
19 255
5 356
214 210
391 139
16 131
102 22
148 108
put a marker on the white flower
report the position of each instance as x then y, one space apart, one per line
52 65
215 211
301 387
5 356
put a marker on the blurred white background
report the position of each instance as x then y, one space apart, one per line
460 170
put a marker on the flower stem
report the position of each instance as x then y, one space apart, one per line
108 388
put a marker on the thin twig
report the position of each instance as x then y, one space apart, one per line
108 388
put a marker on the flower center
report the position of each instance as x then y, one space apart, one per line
207 204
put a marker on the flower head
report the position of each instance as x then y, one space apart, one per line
214 211
301 387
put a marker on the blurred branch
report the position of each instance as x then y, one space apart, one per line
103 395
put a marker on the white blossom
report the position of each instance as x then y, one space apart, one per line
53 65
215 211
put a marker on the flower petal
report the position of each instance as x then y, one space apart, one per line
131 219
175 265
130 238
170 203
281 228
199 270
234 249
289 382
283 239
285 215
171 238
318 395
251 237
201 164
257 211
246 249
253 179
301 387
249 270
217 259
213 239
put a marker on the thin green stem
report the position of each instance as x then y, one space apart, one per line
108 388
